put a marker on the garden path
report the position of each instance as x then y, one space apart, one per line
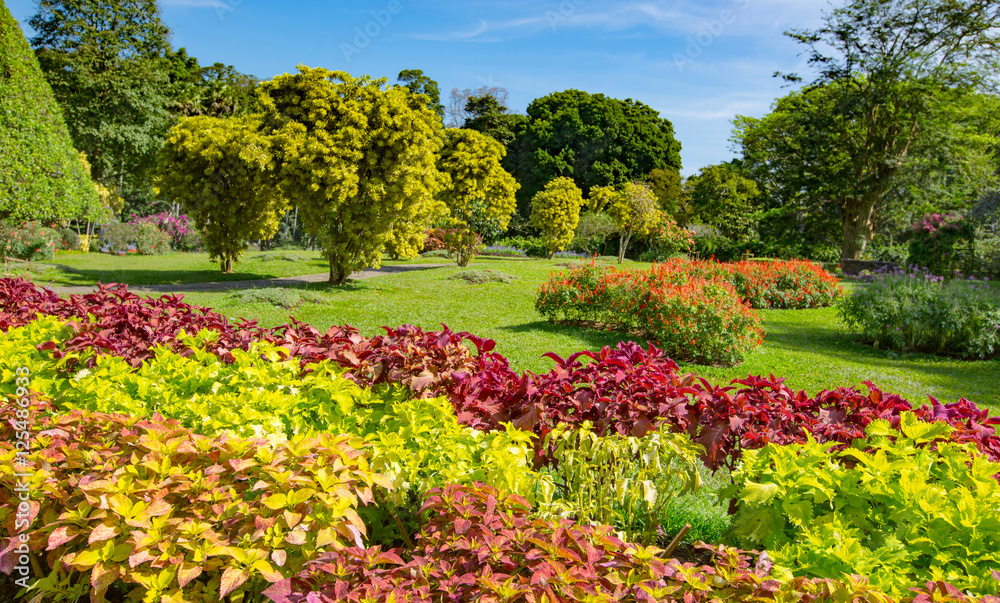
285 281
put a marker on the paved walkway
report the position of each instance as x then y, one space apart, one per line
285 281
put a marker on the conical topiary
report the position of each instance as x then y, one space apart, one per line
41 177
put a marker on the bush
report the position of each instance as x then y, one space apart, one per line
534 247
198 519
481 277
692 319
30 241
667 241
917 311
118 238
593 233
935 241
150 240
794 284
178 228
461 244
901 507
69 240
503 251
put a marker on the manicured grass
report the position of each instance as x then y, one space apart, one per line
810 348
171 269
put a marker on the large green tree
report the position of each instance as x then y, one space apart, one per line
486 114
357 158
724 198
885 70
104 61
217 90
219 171
418 83
593 139
41 175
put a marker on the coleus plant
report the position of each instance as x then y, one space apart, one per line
146 509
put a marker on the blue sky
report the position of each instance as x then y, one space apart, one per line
697 63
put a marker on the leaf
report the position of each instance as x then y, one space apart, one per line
101 533
232 578
188 572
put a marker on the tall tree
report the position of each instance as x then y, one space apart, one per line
884 67
217 90
104 61
458 104
41 175
418 83
357 158
489 116
723 197
668 186
593 139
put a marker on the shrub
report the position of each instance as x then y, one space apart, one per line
534 247
197 519
178 228
555 212
697 320
666 241
593 233
150 240
504 251
935 240
481 277
30 241
917 311
118 238
902 507
462 244
69 240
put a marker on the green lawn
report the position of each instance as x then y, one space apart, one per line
171 269
807 347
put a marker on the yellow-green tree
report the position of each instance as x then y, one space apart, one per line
636 211
407 238
358 159
478 192
555 211
220 171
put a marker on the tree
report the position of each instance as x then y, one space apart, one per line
219 170
218 90
555 211
593 139
418 83
104 61
458 104
479 193
884 66
668 186
722 197
487 115
41 176
635 210
357 158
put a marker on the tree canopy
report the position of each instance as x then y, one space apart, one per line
555 212
592 139
418 83
41 175
724 198
358 158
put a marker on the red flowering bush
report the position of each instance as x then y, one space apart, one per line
694 319
935 241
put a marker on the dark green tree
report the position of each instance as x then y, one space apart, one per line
593 139
41 175
217 90
418 83
668 186
885 70
105 62
724 198
489 116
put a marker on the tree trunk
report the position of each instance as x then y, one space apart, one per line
623 241
227 265
857 216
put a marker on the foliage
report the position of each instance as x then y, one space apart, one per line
229 515
488 115
217 90
590 138
724 198
218 170
68 239
901 507
910 311
104 62
419 84
178 228
555 211
691 318
462 244
934 241
357 158
623 481
667 241
118 238
668 186
504 251
593 232
43 179
635 211
277 296
150 240
534 247
29 241
479 194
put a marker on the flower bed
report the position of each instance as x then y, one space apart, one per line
314 516
693 319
